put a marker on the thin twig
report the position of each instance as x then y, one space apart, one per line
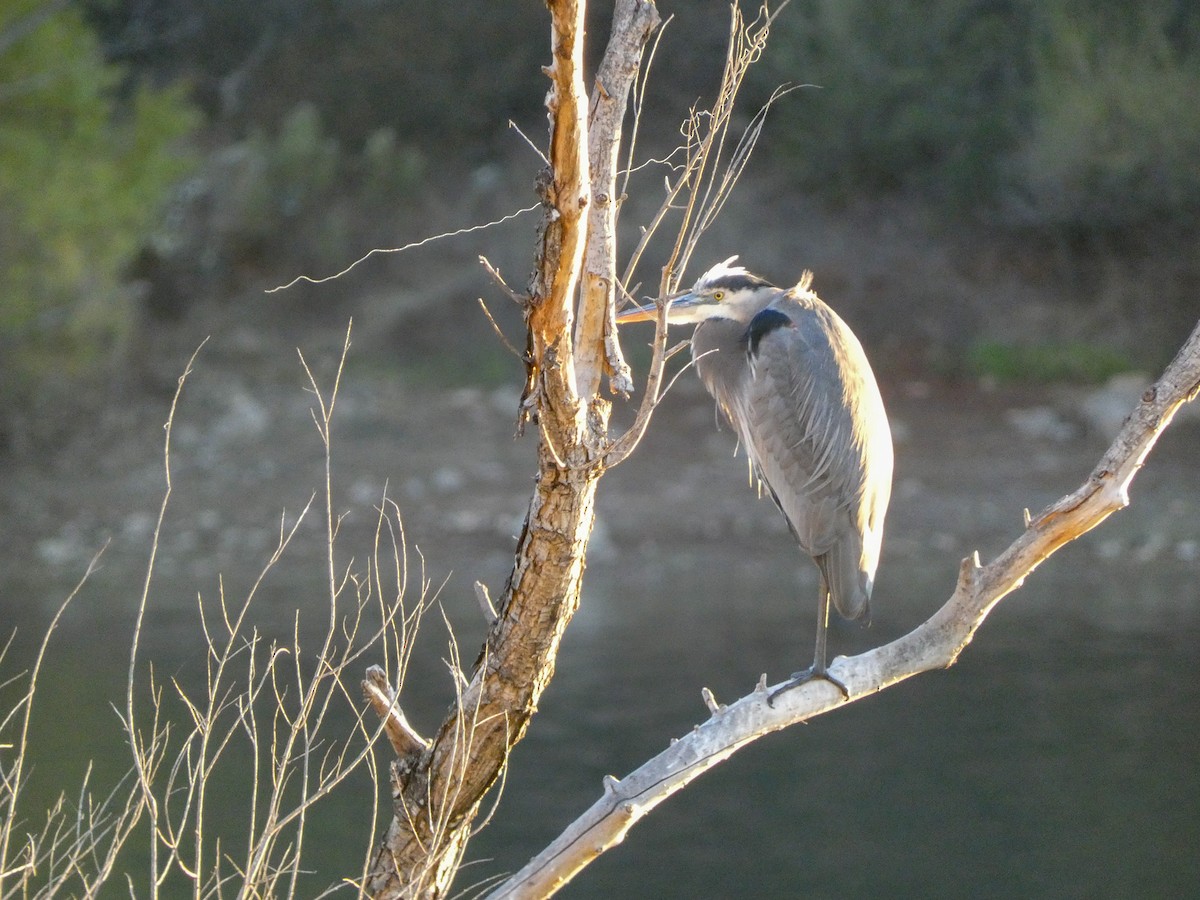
500 334
412 245
534 147
706 188
516 297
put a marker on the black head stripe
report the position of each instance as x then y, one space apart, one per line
737 281
761 325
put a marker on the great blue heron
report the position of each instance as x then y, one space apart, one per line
794 382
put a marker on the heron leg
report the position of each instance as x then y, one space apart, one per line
818 669
818 666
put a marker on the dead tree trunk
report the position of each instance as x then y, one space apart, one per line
437 790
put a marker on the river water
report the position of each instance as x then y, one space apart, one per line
1058 758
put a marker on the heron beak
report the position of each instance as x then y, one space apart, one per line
650 313
637 314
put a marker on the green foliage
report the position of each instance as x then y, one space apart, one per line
908 93
1063 114
1115 130
1078 362
301 187
288 174
83 178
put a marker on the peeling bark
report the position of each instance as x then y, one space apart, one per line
438 788
595 337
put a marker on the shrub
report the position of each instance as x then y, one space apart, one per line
1078 362
910 94
83 176
296 194
1065 114
1114 136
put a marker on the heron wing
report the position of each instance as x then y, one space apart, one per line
801 395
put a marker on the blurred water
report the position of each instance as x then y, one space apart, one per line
1057 758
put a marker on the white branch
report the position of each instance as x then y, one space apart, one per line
596 346
934 644
383 700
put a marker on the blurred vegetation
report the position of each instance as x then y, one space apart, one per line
1070 125
925 94
1114 131
1076 115
1045 362
446 76
296 196
83 176
1065 116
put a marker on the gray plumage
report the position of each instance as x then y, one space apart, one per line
806 408
795 384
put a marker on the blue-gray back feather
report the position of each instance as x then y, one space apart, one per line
797 387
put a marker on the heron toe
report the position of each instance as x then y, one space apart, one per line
812 673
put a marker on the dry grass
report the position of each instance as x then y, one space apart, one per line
268 706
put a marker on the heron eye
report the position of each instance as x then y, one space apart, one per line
718 296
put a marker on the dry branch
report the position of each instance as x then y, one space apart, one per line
935 644
437 795
595 336
379 694
702 184
703 181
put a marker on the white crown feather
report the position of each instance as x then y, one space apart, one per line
720 270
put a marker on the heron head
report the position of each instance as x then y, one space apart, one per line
724 291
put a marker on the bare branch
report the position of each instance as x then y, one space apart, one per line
596 343
412 245
437 800
566 195
532 146
639 103
933 645
404 739
698 181
500 334
620 449
706 187
12 778
485 602
143 747
513 295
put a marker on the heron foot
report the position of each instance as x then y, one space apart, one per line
810 674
